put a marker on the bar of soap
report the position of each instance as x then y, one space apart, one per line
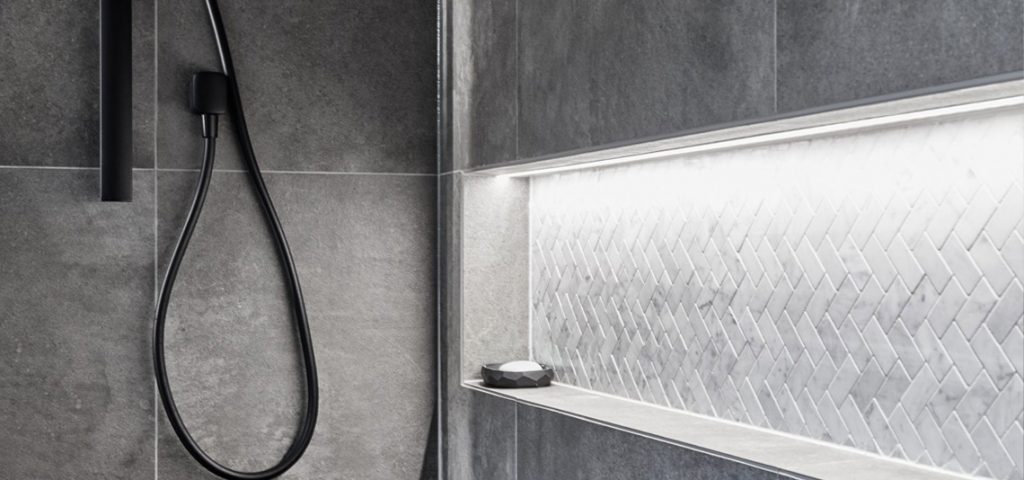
520 366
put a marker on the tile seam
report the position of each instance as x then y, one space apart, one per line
156 219
300 172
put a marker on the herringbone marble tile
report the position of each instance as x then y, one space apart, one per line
864 289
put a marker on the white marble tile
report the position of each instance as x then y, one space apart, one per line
993 358
1013 346
891 392
1013 440
920 305
961 264
974 405
893 302
933 351
1008 312
881 265
951 391
963 356
797 287
946 308
1013 253
974 218
1006 219
1007 405
990 261
960 442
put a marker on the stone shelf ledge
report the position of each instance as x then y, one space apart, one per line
788 455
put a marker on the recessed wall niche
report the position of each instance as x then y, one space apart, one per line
863 288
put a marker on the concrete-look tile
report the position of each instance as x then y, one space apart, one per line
484 82
555 446
365 247
844 50
230 346
327 86
76 285
364 251
50 112
482 437
495 238
596 73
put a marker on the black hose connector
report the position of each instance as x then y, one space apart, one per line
209 93
208 97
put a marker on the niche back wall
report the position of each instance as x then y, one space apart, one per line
862 289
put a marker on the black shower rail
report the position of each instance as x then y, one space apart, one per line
214 94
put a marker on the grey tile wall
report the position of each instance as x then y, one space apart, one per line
479 430
76 285
485 90
836 51
340 95
863 289
330 86
553 446
483 440
50 88
371 306
230 347
495 260
592 74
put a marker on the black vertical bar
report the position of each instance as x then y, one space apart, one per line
116 100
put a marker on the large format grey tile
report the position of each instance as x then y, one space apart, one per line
484 82
483 437
850 49
555 446
366 247
479 430
364 250
592 73
144 82
50 88
76 285
229 342
327 86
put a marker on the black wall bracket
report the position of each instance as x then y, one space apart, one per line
116 156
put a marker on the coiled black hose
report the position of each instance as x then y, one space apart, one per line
308 424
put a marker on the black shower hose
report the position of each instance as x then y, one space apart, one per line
298 308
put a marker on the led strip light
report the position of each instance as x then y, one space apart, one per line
785 135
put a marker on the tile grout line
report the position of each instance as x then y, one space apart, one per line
515 440
298 172
515 45
775 55
529 269
48 167
156 222
439 61
220 170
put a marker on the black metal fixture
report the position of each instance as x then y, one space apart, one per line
214 94
116 100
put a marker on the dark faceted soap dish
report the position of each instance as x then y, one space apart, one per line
494 376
